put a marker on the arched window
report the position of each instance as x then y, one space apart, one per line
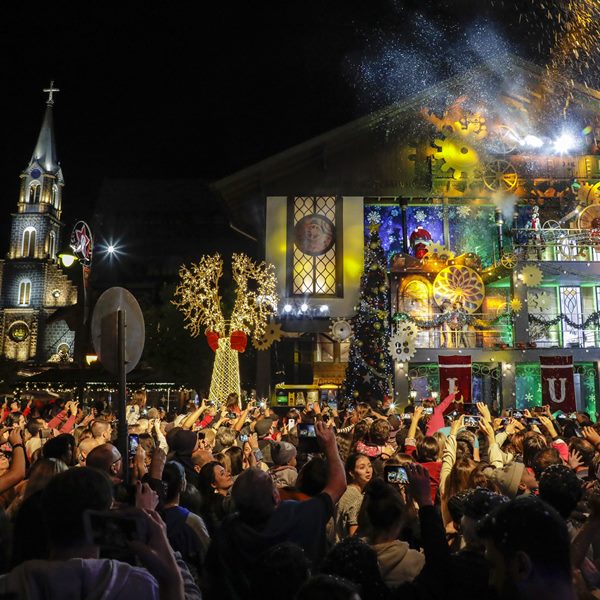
55 196
28 246
51 245
25 292
35 190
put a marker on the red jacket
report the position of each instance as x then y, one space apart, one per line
434 468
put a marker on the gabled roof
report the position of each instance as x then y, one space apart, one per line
506 66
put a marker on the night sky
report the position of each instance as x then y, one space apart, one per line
183 89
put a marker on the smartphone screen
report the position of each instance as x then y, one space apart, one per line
134 442
291 423
243 438
307 438
428 410
395 474
471 420
112 530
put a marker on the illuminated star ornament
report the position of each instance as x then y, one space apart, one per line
81 242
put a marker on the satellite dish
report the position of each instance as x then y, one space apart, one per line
105 329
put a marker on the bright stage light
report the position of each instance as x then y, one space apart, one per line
110 249
287 308
564 143
533 141
304 307
324 308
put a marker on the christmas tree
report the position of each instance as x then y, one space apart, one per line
369 373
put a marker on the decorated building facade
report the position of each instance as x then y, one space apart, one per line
483 195
32 285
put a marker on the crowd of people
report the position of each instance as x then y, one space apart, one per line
232 502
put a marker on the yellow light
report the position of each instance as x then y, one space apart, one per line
91 358
67 259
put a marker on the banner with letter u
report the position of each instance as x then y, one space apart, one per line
455 374
558 383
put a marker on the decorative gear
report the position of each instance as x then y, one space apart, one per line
540 301
402 348
531 275
589 219
503 140
457 155
508 260
589 193
340 330
438 251
461 284
499 176
272 334
516 305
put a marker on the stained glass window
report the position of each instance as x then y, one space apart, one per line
570 305
313 241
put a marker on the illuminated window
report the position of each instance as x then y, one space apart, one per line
28 245
55 196
35 190
570 305
25 292
314 236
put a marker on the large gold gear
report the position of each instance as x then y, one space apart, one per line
461 284
402 348
457 155
508 260
531 275
272 334
589 193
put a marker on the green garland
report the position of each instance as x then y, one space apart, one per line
593 319
461 317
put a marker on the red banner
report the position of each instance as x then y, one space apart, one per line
558 383
455 374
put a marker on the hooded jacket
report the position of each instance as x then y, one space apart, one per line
79 579
397 562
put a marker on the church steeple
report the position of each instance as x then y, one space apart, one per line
42 181
44 153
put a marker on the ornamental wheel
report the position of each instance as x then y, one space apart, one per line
508 260
500 176
461 285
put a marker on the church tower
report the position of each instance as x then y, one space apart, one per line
32 286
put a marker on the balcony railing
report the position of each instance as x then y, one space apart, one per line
562 335
557 244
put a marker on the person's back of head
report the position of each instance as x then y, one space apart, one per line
528 546
60 447
201 458
66 498
328 587
585 449
40 474
254 495
355 560
236 460
287 567
379 432
312 477
382 511
226 437
174 477
427 449
103 458
532 444
100 429
543 459
560 487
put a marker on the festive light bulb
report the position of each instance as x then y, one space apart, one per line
287 308
304 307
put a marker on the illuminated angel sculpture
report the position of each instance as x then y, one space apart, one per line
197 297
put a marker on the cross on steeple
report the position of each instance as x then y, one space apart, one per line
50 91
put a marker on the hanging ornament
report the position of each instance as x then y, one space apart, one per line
239 340
212 338
531 275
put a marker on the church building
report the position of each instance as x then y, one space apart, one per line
32 285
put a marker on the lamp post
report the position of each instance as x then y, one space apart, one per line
80 249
